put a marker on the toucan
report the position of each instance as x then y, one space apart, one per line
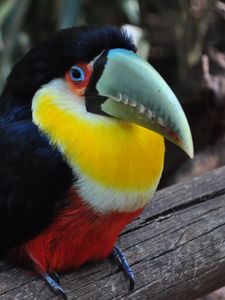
82 125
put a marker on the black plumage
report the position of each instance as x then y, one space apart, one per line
34 178
54 57
33 182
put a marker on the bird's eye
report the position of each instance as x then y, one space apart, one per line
76 74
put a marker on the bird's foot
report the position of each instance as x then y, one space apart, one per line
53 282
52 279
118 256
55 277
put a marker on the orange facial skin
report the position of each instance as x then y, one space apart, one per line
79 87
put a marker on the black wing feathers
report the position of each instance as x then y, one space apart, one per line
34 181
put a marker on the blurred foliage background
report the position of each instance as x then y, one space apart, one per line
183 39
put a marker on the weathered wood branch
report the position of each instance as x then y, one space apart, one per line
176 249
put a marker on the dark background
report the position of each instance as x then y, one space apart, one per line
183 39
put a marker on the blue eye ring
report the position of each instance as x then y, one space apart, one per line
76 74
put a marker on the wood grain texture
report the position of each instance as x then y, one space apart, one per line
176 249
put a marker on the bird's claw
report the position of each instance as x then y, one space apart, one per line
54 284
118 255
55 277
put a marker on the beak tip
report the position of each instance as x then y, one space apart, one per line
189 149
191 153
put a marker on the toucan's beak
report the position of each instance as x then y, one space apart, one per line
126 87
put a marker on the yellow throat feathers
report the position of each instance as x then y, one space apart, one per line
111 152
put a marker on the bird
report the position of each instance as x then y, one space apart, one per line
83 120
